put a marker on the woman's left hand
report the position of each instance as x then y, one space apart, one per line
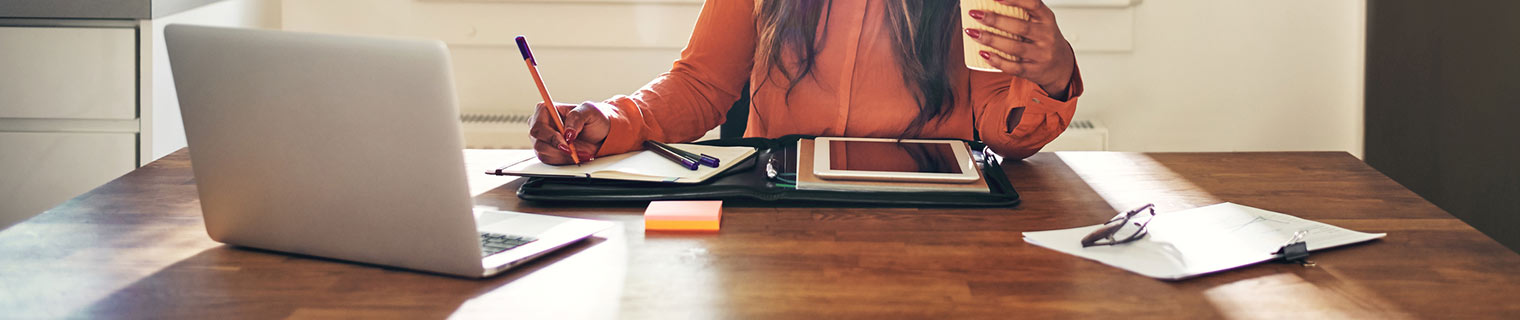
1040 53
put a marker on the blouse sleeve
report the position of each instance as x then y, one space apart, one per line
1041 118
694 96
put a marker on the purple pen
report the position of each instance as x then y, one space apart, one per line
703 159
670 155
710 161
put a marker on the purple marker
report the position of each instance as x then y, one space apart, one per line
703 159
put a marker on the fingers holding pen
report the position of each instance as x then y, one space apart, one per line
575 121
588 123
565 128
548 139
546 135
551 154
585 127
542 124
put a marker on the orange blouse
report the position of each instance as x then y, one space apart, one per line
856 89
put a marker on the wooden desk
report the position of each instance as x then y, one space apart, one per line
136 248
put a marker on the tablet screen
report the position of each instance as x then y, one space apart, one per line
892 156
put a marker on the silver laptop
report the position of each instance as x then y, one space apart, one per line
342 147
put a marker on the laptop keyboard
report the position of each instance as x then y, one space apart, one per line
493 243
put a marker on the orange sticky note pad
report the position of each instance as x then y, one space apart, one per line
683 215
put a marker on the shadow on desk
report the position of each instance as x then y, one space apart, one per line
256 283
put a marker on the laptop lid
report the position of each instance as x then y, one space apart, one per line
333 146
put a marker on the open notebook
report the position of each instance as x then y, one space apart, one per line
635 166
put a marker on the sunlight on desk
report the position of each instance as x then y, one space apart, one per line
1131 180
1287 295
477 161
583 282
675 271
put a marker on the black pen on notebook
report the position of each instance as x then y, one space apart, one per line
559 123
670 155
703 159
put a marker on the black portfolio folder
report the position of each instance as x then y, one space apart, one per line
752 181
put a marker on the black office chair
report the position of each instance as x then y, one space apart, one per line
738 117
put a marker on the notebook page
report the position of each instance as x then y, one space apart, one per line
650 164
534 167
639 165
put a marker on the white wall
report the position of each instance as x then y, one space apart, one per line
1164 75
587 50
1233 75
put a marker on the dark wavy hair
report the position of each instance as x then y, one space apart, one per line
922 32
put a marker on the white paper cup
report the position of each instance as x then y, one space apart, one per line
973 49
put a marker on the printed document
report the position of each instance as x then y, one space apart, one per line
1202 240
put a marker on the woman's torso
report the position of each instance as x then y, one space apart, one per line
856 87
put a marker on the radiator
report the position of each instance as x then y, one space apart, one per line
1081 135
496 130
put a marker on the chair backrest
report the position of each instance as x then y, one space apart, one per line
738 117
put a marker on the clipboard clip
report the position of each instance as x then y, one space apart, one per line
1296 250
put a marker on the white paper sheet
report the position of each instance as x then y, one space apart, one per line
1202 240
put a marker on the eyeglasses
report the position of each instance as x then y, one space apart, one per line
1123 228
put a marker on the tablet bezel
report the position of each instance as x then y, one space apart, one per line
822 154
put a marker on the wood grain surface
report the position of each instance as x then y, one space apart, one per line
136 248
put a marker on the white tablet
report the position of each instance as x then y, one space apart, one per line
894 160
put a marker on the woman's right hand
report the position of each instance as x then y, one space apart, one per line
586 126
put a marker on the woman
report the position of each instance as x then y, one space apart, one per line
857 68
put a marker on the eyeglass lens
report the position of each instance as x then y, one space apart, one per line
1131 227
1125 227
